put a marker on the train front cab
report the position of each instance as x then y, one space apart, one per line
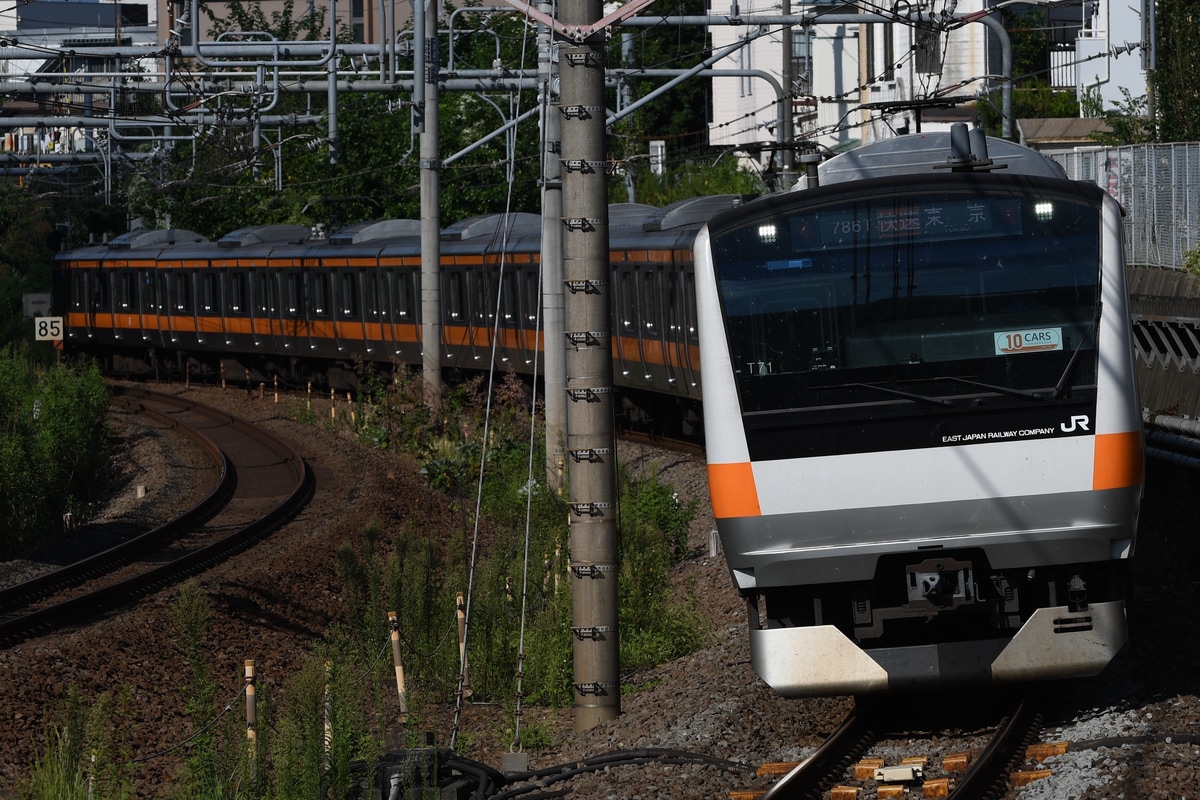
919 507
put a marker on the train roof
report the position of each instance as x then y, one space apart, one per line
154 237
265 234
693 211
518 224
923 152
361 232
630 225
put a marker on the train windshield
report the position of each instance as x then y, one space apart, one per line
936 294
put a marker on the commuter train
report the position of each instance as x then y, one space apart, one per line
922 428
923 436
282 302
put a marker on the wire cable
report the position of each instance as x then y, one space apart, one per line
502 231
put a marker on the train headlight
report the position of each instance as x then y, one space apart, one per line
1044 210
767 232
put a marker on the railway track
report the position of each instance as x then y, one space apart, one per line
262 482
840 770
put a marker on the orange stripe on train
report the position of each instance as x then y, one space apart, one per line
1118 461
733 491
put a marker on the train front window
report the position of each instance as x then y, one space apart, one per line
938 294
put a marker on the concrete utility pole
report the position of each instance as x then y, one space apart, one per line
425 110
591 443
552 266
787 164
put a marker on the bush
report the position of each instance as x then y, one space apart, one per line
53 444
86 753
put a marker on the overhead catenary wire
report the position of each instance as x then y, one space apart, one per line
502 232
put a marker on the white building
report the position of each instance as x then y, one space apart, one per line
860 75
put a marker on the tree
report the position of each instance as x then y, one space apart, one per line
1033 97
1128 123
680 117
1177 93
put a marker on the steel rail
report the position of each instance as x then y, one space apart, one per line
816 774
123 592
987 777
22 594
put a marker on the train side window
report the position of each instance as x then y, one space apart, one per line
370 292
482 297
532 295
689 295
99 298
266 293
509 307
628 300
649 297
181 292
78 291
161 304
235 283
292 292
403 281
454 297
127 291
319 282
208 291
348 294
147 290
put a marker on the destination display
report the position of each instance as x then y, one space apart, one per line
937 219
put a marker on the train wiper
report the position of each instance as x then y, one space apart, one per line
938 401
1060 388
1030 394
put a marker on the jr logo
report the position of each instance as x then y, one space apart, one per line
1079 421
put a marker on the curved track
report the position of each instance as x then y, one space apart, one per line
262 483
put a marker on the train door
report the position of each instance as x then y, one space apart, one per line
264 308
293 308
78 301
407 314
456 313
320 302
372 314
481 312
208 304
532 317
236 301
100 302
348 323
688 338
511 347
650 340
153 301
181 307
125 303
626 352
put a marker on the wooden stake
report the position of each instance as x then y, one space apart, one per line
394 623
251 720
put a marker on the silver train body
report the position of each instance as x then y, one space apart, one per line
924 442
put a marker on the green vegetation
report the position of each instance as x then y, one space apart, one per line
420 576
86 755
1032 97
53 443
1176 91
329 719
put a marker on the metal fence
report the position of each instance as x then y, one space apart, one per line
1158 185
